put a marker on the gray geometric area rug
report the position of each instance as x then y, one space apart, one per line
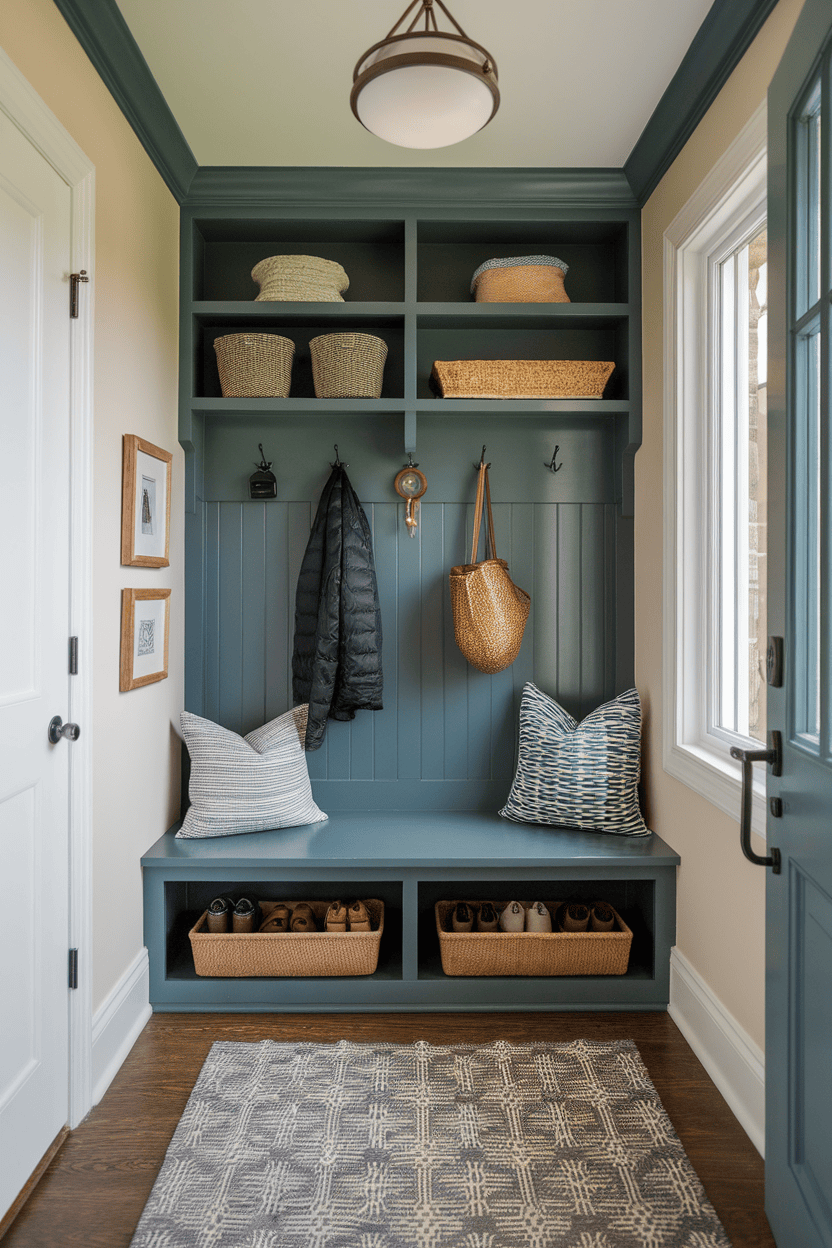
300 1145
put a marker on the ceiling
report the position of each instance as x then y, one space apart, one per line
267 82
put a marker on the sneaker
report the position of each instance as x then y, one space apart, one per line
513 917
538 918
462 919
359 917
601 917
336 918
487 919
277 920
303 918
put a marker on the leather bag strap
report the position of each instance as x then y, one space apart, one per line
483 500
478 513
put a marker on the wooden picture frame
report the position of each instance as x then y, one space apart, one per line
144 637
145 503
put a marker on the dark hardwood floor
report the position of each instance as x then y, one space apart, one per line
94 1190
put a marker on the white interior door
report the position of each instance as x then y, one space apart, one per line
34 630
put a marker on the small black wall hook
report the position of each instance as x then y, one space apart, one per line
482 463
552 466
338 463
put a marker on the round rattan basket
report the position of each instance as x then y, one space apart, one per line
300 279
254 366
520 279
348 366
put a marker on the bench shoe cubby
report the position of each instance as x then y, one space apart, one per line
459 855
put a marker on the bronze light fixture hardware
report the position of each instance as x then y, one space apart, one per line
425 88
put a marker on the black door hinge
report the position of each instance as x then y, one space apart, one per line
73 656
74 280
73 968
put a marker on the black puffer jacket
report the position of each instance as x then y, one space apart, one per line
336 665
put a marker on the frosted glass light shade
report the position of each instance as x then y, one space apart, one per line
425 91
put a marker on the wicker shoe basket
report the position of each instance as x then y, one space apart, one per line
348 366
254 366
300 279
289 953
520 379
521 279
531 953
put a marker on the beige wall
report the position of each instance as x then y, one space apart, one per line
721 899
135 760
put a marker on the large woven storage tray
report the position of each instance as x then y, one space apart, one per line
299 279
532 953
520 379
289 953
254 366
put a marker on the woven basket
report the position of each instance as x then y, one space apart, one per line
521 279
289 953
520 379
348 366
531 953
300 279
254 366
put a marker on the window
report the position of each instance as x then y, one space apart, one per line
715 475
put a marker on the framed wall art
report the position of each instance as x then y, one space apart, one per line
145 503
145 629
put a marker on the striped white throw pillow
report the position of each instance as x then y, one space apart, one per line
578 775
247 784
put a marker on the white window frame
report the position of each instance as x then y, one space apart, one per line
729 200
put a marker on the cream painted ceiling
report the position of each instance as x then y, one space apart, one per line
267 82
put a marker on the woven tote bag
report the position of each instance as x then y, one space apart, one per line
490 611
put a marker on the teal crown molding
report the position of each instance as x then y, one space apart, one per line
104 35
227 186
729 29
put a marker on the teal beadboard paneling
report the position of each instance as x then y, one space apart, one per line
443 721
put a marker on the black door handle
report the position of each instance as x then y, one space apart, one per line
774 757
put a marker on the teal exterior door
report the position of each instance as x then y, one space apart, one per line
799 898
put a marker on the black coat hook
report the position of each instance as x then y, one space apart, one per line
552 466
482 463
338 463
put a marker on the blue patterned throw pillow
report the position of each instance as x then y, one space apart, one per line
578 775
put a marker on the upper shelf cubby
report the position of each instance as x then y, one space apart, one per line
449 252
226 250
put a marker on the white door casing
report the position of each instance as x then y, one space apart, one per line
46 570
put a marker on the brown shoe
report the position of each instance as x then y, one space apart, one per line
462 919
219 913
336 918
359 917
487 918
277 920
245 916
573 917
601 917
303 918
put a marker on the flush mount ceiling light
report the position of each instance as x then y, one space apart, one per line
425 88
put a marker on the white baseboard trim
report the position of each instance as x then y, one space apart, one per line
118 1023
732 1059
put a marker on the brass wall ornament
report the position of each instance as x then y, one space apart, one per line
410 484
